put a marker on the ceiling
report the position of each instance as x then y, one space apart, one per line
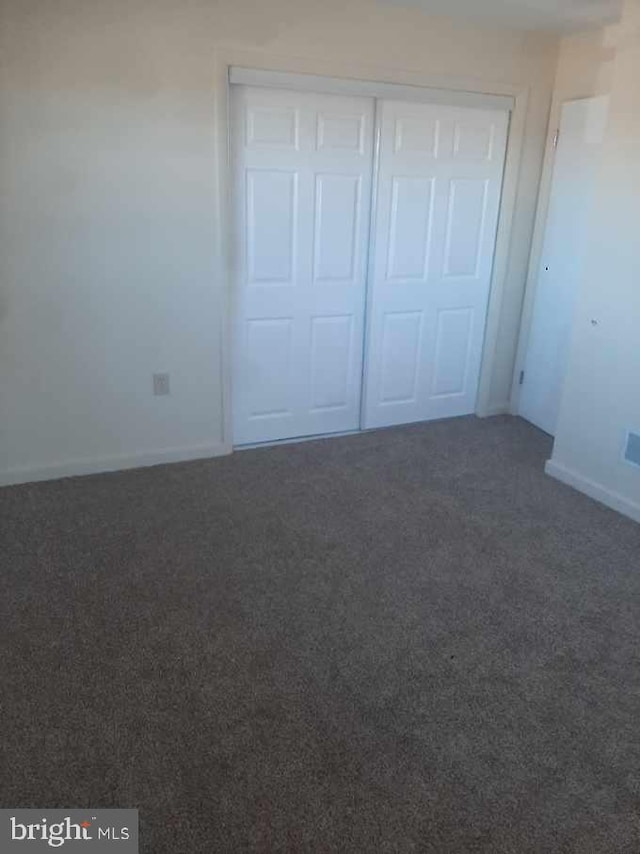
564 15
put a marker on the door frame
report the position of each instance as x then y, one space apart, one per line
299 73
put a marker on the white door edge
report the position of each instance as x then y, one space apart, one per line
368 296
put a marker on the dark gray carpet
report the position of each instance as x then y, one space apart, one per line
408 640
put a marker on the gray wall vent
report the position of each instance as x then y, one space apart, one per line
632 449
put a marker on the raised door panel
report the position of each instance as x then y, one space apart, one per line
473 139
341 132
411 217
336 228
271 206
417 134
331 346
400 357
269 352
275 127
454 329
466 219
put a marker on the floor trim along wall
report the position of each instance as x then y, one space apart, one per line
594 490
495 409
73 468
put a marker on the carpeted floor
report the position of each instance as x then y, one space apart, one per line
407 640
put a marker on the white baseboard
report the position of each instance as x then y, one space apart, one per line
494 409
73 468
594 490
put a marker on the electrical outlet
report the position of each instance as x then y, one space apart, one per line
161 384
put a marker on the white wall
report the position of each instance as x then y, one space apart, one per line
110 230
601 397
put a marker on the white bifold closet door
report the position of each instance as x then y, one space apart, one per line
439 187
302 176
306 267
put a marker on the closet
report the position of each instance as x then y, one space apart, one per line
364 234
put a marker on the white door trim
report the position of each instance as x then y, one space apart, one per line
228 57
366 88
